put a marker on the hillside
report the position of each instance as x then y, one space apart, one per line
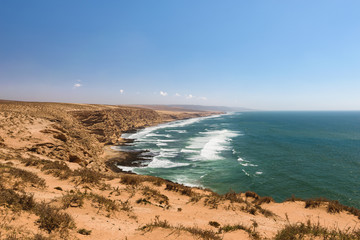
55 184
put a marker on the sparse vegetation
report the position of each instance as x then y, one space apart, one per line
16 201
156 195
73 199
200 233
103 203
212 200
250 230
252 195
51 218
130 180
214 224
25 176
86 175
83 231
184 190
309 231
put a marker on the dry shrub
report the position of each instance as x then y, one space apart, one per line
251 231
214 224
156 195
313 203
334 207
16 201
252 195
311 231
51 218
103 202
83 231
199 233
88 176
25 176
184 190
130 180
212 200
262 200
233 197
73 199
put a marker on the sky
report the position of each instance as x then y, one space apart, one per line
266 55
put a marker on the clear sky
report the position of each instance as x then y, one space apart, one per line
269 54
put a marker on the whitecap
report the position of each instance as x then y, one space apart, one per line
126 168
248 165
181 123
177 131
212 143
247 174
164 163
259 173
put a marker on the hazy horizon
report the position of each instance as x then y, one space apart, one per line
262 55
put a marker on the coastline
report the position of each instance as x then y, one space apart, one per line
136 158
52 155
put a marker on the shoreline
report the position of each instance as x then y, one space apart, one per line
135 158
52 156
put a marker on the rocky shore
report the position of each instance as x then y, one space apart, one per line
58 180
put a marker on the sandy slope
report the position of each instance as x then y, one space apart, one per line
135 207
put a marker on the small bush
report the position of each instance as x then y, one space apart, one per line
334 207
312 203
83 231
212 201
262 200
16 201
233 197
184 190
309 230
88 176
51 218
156 195
103 202
73 199
130 180
142 201
229 228
214 224
200 233
25 176
252 195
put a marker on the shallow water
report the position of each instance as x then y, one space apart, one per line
308 154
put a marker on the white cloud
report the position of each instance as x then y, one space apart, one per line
77 85
121 91
189 96
203 98
163 93
177 95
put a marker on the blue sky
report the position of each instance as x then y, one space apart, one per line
271 55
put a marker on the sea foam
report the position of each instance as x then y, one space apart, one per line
211 143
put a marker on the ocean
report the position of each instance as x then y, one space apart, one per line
277 154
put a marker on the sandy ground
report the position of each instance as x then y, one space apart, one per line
135 207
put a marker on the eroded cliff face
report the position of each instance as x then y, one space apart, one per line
71 132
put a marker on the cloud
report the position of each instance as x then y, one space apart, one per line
203 98
121 91
189 96
163 93
77 85
177 95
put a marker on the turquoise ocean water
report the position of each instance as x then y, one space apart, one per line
308 154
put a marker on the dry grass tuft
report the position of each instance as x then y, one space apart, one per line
51 219
314 231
